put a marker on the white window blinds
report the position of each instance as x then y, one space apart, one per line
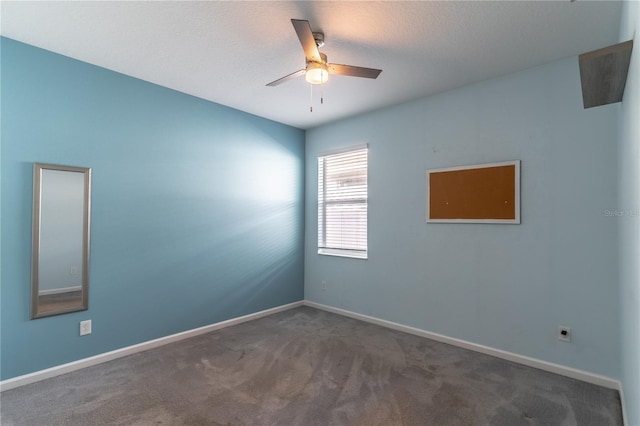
342 203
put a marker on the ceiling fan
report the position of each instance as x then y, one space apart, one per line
317 69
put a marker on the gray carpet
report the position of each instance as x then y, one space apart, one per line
309 367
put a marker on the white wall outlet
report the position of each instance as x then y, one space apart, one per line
564 333
85 327
323 285
73 270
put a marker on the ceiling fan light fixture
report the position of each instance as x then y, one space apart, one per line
317 73
317 67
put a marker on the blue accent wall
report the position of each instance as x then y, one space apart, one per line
197 209
629 227
504 286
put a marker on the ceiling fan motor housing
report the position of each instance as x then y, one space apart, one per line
319 38
323 57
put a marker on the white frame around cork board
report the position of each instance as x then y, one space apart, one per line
480 193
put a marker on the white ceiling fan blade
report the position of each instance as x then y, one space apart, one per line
305 35
287 77
353 71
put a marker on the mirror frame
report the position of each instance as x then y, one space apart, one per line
36 311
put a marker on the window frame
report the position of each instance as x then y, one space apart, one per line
322 205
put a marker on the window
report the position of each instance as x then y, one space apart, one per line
342 203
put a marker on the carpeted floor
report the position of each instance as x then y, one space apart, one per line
309 367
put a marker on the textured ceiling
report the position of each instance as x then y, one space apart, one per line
227 51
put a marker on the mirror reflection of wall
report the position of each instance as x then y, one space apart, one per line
61 239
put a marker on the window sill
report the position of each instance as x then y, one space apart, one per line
343 253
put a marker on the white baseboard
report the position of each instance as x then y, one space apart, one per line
623 405
129 350
585 376
140 347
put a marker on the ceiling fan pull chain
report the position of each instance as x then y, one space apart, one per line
311 99
321 93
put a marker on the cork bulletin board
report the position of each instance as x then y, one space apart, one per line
482 193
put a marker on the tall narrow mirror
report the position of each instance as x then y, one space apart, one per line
60 258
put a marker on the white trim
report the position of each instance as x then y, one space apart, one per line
144 346
342 150
140 347
476 166
514 221
354 254
585 376
498 221
622 404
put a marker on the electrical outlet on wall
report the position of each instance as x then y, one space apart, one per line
323 285
85 327
564 333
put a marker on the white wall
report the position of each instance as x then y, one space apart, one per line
504 286
629 226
